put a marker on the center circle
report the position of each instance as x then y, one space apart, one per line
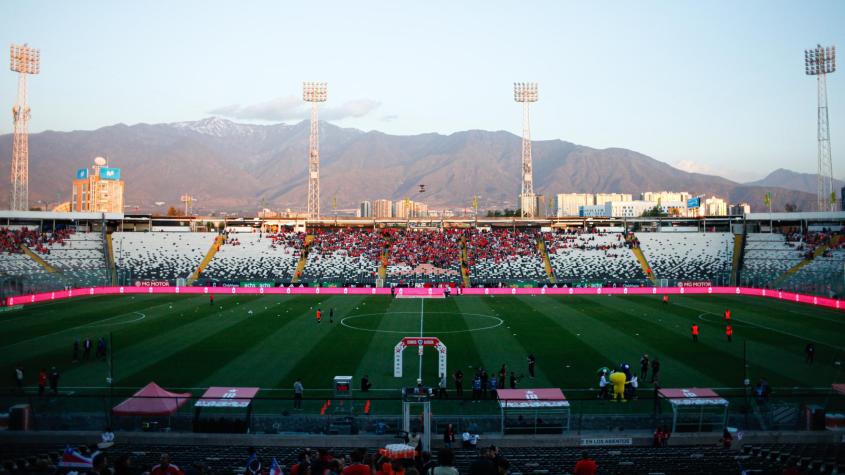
485 322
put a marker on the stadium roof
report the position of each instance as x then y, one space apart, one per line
72 216
799 216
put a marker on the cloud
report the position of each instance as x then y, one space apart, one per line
389 118
288 108
690 166
354 108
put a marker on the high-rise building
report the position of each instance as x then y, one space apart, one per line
382 209
602 198
739 209
419 210
98 189
666 196
628 209
715 207
569 204
365 210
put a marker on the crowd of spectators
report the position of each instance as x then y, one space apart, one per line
441 249
353 242
287 240
501 244
11 240
613 244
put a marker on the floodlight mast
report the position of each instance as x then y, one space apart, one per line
314 92
526 93
820 62
22 60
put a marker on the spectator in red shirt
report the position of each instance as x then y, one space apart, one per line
357 466
42 381
585 466
165 467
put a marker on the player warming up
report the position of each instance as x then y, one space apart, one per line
319 315
728 316
694 332
729 331
532 362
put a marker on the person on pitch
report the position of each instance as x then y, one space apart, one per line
319 315
514 380
503 374
459 383
665 299
644 367
694 331
366 384
532 362
809 353
729 331
728 316
331 315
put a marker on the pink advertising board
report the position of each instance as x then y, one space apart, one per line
423 292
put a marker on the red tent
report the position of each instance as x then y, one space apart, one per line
151 400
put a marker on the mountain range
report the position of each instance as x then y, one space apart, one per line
235 167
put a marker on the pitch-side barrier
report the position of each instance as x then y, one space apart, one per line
424 292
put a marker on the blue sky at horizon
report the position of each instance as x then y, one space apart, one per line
716 87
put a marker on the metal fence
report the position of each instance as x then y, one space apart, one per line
274 412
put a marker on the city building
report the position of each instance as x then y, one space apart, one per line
666 196
673 208
404 209
569 204
365 210
382 209
628 209
715 207
98 189
739 209
602 198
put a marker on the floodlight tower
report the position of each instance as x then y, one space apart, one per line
314 92
23 60
820 62
526 93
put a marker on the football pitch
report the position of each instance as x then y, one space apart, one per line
187 343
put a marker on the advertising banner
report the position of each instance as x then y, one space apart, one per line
81 173
157 289
110 173
694 202
258 284
695 283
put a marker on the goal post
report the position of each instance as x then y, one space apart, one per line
421 343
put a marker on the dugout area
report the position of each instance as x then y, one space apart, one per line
534 411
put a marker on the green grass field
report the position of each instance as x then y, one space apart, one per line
184 342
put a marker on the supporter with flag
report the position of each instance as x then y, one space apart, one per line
72 458
275 468
253 463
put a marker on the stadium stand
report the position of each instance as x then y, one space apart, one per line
505 254
591 257
344 255
767 256
255 256
78 256
430 256
160 256
231 458
689 256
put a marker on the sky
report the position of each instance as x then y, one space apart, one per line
711 86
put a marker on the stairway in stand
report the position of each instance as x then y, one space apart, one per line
303 258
